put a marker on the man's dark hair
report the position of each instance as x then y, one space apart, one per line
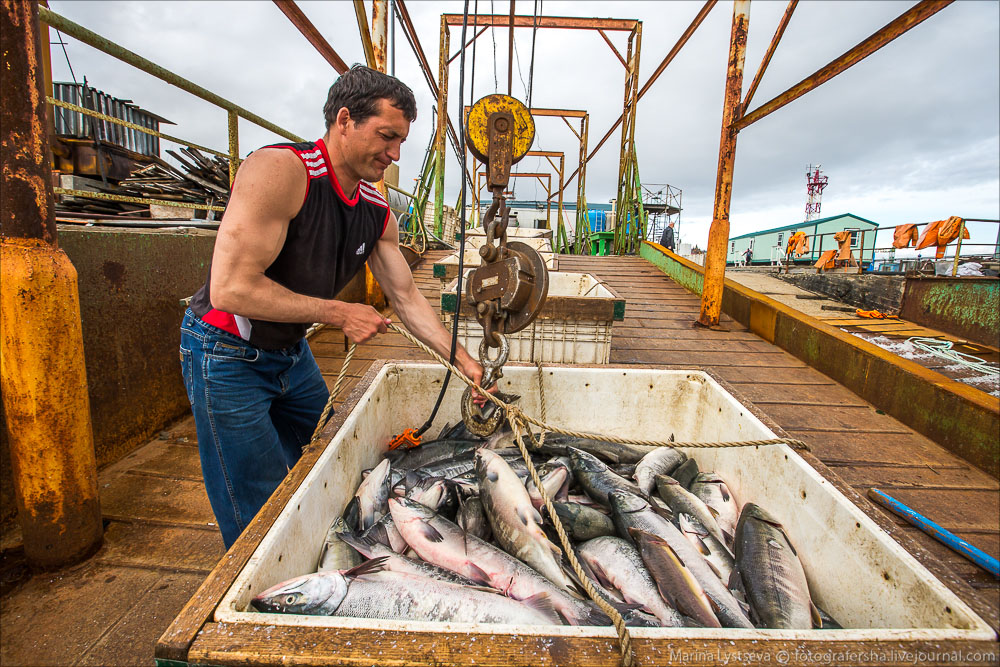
360 88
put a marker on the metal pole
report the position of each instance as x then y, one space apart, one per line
93 39
374 296
309 31
718 233
234 146
909 19
392 40
44 379
366 37
442 128
510 53
958 248
562 163
379 35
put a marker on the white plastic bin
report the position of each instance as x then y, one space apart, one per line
574 325
886 600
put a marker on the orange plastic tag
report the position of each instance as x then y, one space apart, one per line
408 437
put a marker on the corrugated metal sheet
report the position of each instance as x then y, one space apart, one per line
75 124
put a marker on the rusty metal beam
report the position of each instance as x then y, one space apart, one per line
619 55
510 52
681 41
782 24
468 44
544 154
525 174
380 34
564 22
535 111
43 378
718 233
418 50
309 31
366 37
565 113
909 19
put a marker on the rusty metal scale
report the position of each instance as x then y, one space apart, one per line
509 287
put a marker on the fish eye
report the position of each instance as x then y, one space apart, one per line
290 599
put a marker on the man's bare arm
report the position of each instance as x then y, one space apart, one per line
267 194
393 274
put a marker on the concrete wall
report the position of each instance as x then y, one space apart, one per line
954 415
131 283
868 292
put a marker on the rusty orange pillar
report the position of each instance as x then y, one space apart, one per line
374 296
718 233
44 379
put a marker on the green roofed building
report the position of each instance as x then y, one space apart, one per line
769 245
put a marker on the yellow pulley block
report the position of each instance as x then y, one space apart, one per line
500 131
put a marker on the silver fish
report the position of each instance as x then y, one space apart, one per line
336 554
662 461
555 476
583 522
617 564
714 492
673 579
384 532
632 511
596 478
772 574
516 523
403 597
394 562
612 452
439 541
715 552
686 472
682 501
472 519
372 496
317 594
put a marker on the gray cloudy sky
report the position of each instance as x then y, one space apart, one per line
910 134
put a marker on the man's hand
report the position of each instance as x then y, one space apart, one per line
359 322
474 372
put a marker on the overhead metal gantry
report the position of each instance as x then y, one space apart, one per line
482 22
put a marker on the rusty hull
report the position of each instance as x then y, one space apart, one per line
964 306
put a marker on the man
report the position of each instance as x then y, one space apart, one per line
667 240
302 220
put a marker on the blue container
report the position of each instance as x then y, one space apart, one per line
598 220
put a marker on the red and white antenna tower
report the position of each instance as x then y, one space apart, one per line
815 183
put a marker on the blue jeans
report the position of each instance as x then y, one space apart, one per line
254 410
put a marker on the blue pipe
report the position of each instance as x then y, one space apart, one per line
946 537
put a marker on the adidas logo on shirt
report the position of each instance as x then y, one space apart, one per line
361 250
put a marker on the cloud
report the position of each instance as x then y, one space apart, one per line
910 133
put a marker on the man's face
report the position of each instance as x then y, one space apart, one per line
373 144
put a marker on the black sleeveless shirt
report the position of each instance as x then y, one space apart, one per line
328 242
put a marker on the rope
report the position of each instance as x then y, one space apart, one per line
333 395
624 638
519 424
513 410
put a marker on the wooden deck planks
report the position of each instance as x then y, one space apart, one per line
867 448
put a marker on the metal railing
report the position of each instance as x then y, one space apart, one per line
235 112
869 254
